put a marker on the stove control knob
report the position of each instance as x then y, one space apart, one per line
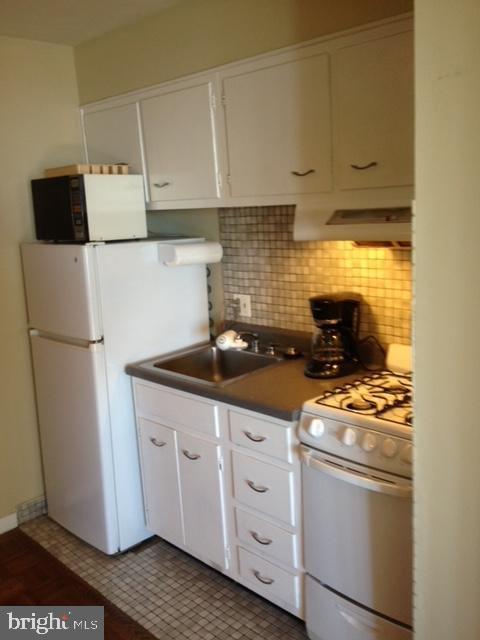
389 448
369 442
407 454
316 428
349 437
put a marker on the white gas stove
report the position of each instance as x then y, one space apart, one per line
356 476
368 421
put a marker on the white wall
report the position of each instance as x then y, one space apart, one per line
447 274
38 128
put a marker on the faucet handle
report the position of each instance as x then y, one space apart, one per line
271 349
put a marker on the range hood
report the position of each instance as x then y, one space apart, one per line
366 225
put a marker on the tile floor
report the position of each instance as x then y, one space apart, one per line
168 592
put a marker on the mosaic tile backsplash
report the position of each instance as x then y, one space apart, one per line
262 260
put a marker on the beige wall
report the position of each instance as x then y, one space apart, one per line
447 258
199 34
38 128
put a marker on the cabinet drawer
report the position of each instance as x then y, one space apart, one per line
261 435
267 538
172 407
269 580
264 487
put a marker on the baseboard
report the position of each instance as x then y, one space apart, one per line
8 522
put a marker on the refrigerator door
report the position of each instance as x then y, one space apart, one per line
61 290
147 309
75 438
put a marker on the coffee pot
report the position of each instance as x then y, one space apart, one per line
334 350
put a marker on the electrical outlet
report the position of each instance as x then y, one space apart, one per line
245 305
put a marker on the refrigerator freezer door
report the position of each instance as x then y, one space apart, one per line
61 290
147 309
75 438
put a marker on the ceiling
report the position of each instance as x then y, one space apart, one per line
72 21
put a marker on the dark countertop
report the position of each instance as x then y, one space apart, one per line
278 391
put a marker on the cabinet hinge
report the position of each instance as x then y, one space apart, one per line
219 181
220 464
224 100
213 101
228 553
229 178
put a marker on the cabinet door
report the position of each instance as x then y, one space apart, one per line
160 480
373 104
112 135
180 144
278 128
202 498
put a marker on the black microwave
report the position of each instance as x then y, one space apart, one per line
89 208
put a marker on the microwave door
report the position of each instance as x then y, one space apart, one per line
61 290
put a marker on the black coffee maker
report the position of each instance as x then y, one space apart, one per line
334 342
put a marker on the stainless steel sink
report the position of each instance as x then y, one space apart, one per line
212 366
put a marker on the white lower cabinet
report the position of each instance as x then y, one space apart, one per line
158 451
230 499
202 498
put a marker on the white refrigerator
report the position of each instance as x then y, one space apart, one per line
92 309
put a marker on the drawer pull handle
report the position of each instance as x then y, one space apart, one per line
262 579
157 443
257 488
190 456
259 538
362 167
161 185
300 174
251 436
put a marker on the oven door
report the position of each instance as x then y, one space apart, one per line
358 533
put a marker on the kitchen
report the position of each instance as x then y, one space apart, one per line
27 484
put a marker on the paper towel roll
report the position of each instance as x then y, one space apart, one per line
176 255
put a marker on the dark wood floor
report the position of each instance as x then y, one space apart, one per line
29 575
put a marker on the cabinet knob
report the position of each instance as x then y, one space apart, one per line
300 174
362 167
157 443
256 487
161 185
190 456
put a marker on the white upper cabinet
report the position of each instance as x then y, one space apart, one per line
327 124
112 135
373 106
179 141
278 129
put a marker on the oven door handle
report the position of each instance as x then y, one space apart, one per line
356 478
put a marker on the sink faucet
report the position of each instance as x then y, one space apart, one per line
254 344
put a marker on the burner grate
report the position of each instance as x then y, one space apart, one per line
384 395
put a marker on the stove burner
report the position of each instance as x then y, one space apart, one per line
360 404
395 388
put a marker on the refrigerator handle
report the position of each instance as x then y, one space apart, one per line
93 345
